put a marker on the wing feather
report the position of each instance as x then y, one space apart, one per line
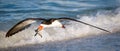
22 25
83 23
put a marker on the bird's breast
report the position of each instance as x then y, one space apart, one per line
56 23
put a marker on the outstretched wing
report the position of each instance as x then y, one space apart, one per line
83 23
22 25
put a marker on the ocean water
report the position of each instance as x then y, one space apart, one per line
75 37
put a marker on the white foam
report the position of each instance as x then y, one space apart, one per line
73 30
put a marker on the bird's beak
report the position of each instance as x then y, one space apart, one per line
39 29
36 32
39 34
63 26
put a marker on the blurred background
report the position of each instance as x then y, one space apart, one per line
76 36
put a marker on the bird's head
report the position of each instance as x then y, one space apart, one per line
47 22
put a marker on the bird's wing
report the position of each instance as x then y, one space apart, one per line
22 25
83 23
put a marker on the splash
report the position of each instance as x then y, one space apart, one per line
73 30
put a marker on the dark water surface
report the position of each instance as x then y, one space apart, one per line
76 37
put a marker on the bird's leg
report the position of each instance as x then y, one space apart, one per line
63 26
39 29
40 35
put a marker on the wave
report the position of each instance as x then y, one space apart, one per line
73 30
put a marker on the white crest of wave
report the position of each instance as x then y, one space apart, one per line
72 30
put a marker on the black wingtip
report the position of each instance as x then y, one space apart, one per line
7 36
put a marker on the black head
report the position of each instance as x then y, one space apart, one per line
48 21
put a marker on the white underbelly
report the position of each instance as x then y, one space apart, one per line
54 24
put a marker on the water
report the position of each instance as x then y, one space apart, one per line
76 36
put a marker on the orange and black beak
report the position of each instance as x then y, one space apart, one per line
36 32
38 29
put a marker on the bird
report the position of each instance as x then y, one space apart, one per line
51 22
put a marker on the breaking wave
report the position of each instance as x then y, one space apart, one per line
104 20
